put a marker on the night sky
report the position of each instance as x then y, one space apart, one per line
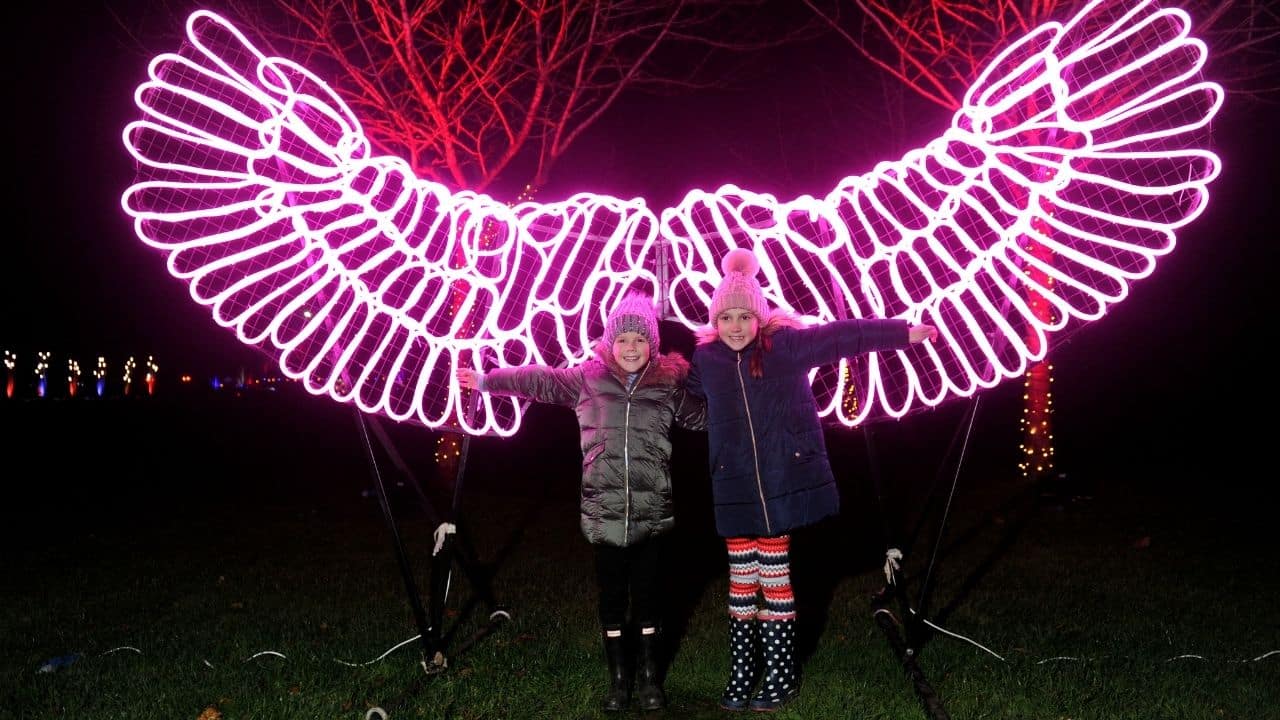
1166 378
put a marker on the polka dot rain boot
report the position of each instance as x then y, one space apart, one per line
780 683
744 656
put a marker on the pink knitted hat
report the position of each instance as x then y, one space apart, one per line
634 313
739 289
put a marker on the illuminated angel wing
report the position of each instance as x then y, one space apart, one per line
368 284
1059 183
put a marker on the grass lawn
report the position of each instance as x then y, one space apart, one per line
202 583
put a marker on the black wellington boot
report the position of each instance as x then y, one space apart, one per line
619 694
744 658
781 682
649 693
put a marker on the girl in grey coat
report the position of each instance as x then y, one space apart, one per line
626 399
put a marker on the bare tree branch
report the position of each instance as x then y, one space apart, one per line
462 89
936 48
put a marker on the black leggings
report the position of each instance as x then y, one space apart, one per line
632 573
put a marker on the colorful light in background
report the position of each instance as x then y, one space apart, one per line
449 444
1037 437
127 376
10 371
42 373
73 377
258 183
1037 398
153 374
100 376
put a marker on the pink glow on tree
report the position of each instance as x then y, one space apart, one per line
258 184
10 365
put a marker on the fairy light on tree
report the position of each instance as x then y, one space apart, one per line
153 373
449 444
849 402
127 376
10 371
1036 448
1037 445
73 377
42 372
100 376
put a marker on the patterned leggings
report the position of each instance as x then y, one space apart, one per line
760 565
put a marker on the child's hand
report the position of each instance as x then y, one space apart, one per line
919 333
468 378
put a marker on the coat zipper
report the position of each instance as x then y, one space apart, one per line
626 459
755 454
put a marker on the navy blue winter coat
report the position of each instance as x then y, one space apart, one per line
769 469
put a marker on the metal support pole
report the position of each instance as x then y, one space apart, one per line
402 558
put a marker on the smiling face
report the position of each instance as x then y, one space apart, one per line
631 351
737 327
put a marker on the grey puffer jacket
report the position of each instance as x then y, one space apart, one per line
626 437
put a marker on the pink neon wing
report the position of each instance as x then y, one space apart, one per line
366 283
1063 178
1059 183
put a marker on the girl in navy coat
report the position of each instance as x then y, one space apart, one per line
769 469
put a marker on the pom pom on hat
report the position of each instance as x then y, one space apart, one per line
740 260
739 288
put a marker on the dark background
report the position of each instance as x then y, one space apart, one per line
1171 392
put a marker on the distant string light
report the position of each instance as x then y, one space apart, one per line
73 377
449 444
1036 460
10 369
127 378
153 373
100 376
1037 449
42 373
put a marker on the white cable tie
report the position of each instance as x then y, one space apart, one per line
440 533
961 637
206 662
1185 657
886 612
122 647
380 657
891 564
265 652
1264 655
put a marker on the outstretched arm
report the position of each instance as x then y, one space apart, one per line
535 382
828 343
